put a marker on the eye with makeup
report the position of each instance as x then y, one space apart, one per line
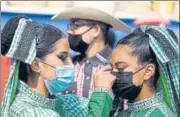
63 57
121 66
120 69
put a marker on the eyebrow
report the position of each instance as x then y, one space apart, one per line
121 62
63 52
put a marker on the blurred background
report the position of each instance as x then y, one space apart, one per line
130 9
133 13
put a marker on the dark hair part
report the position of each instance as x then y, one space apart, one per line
108 36
46 40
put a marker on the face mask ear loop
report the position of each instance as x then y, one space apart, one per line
45 62
86 30
140 69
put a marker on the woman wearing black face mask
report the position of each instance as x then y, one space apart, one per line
145 64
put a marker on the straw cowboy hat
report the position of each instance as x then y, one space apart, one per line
92 14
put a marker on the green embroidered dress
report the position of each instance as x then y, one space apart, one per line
150 107
20 100
28 103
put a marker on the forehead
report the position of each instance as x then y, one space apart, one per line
123 53
62 45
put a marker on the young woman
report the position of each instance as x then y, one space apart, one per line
145 62
40 70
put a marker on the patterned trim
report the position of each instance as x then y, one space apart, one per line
29 92
153 101
106 90
167 52
19 51
16 38
6 99
149 112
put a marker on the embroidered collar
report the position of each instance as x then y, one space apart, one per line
152 101
33 95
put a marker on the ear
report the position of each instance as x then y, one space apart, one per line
97 31
149 71
35 66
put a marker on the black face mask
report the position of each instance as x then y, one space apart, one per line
76 42
124 87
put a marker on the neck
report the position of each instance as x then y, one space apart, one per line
145 93
37 83
95 47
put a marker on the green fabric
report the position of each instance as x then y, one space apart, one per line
29 103
153 106
15 82
162 86
22 101
100 105
72 105
167 53
8 89
155 113
19 51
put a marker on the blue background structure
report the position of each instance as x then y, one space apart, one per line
62 24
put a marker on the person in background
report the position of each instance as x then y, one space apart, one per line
41 69
89 34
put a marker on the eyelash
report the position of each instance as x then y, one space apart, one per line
120 69
63 58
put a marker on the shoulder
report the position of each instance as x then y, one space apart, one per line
27 110
157 112
33 112
123 114
162 112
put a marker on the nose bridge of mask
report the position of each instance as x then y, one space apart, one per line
65 71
